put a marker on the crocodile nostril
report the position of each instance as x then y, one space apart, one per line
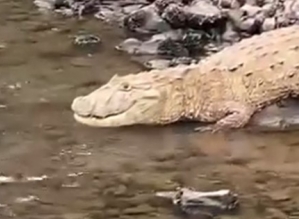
82 106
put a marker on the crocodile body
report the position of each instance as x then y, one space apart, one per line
226 88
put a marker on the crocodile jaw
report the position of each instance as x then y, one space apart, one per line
111 121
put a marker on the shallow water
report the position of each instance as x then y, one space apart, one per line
113 173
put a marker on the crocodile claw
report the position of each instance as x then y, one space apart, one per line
207 128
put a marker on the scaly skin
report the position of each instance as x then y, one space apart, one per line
226 88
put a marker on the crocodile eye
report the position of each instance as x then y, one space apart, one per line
125 86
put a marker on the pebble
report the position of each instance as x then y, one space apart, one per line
120 190
112 213
18 17
37 26
279 195
273 213
141 209
81 62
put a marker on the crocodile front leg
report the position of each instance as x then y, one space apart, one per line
232 115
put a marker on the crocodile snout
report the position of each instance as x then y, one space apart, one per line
82 106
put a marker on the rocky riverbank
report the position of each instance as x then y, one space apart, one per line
165 33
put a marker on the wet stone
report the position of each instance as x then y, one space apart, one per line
112 213
165 166
273 213
55 51
87 42
12 61
78 162
18 17
141 209
95 215
36 26
81 62
137 199
163 156
152 181
280 195
120 190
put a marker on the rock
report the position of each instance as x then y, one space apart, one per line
112 213
268 24
157 64
249 25
37 26
138 199
81 62
250 10
145 21
18 17
273 213
279 195
129 45
10 60
120 190
86 39
55 51
201 12
141 209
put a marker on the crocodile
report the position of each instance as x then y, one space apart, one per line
224 89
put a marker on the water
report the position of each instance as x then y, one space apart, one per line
113 173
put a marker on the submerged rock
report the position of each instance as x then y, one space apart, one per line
86 39
202 204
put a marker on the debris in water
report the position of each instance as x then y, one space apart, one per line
86 39
75 174
6 179
10 179
71 185
26 199
210 204
37 178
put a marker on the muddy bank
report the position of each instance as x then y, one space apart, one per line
113 173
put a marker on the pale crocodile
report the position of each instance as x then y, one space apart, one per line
226 88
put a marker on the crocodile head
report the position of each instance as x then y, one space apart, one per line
126 100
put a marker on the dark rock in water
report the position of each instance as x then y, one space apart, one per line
87 42
145 21
277 118
86 39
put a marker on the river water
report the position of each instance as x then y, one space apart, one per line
94 173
